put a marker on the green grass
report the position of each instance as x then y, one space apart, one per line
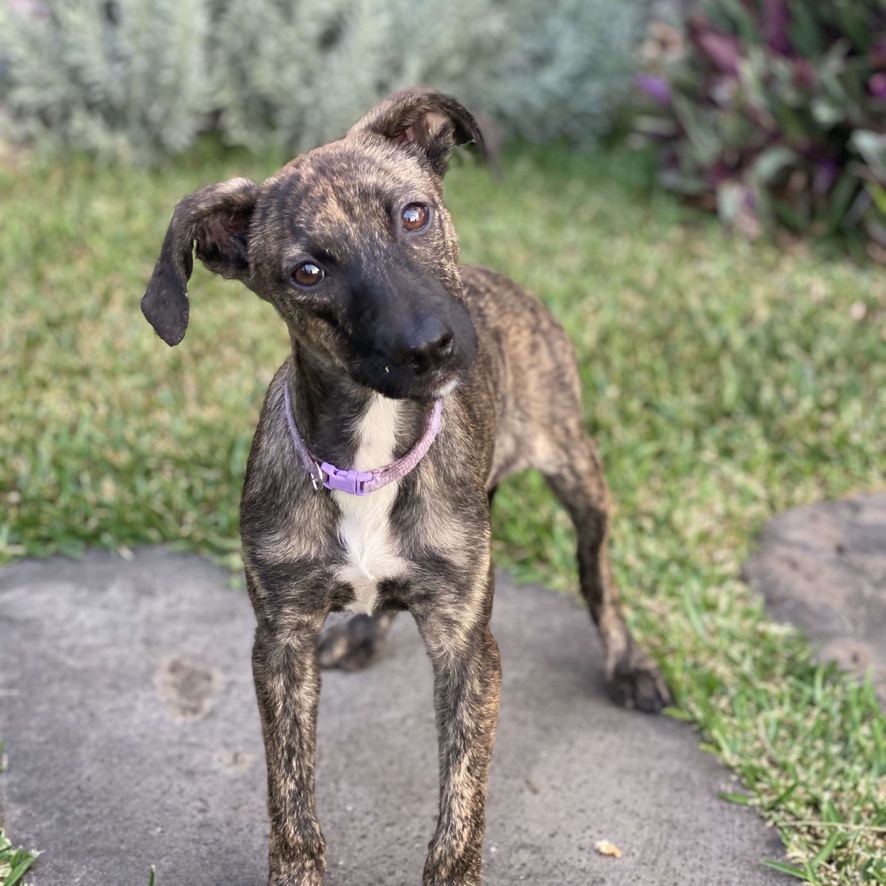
725 380
14 863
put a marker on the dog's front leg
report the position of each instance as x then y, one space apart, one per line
467 681
287 684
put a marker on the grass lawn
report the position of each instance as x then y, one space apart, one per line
725 381
13 862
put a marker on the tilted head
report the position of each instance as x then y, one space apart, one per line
350 242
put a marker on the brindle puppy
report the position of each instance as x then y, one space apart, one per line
353 246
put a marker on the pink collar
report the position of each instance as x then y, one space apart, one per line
361 482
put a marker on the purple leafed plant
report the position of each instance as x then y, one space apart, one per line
775 112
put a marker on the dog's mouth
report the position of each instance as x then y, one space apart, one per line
400 383
447 383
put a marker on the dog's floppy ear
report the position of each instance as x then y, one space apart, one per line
432 122
217 219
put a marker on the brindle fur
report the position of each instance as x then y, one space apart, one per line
366 331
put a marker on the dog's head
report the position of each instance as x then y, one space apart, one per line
350 242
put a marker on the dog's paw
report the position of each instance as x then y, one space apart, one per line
348 646
635 682
305 872
308 878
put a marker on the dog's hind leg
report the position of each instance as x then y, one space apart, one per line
576 477
351 645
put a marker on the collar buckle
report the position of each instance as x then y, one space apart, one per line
352 482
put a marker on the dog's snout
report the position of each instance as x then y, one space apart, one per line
434 352
427 344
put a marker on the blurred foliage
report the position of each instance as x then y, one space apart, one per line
774 111
125 81
138 79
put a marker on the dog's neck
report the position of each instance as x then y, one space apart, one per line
329 406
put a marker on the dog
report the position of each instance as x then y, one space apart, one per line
413 388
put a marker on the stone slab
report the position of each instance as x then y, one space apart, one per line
823 567
133 739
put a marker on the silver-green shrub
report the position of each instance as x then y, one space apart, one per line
543 69
563 66
123 79
302 73
139 78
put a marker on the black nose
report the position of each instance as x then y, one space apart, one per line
425 345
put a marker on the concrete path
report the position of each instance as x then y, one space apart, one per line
132 735
823 567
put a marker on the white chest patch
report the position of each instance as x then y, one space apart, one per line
373 554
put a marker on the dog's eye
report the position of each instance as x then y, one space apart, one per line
415 216
308 274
